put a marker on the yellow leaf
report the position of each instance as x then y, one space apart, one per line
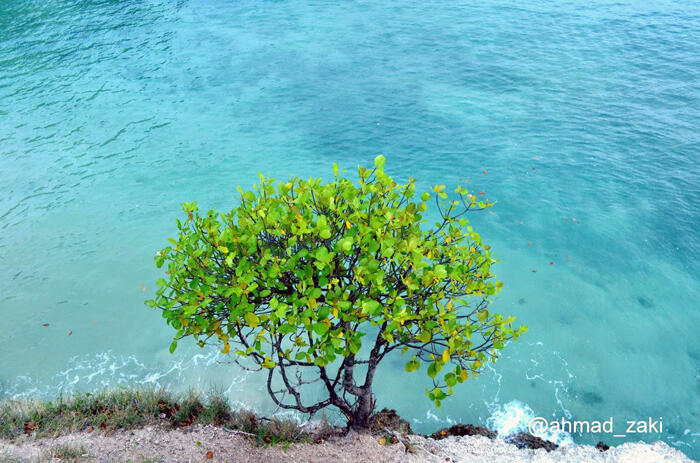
446 356
226 349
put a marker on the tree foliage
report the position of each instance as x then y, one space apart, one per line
318 282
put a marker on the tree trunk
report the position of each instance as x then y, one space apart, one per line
362 411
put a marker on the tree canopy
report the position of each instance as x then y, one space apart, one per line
318 282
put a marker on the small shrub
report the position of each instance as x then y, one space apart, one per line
314 282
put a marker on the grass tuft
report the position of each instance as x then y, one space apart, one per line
217 410
134 408
188 412
115 409
68 453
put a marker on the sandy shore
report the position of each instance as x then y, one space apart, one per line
203 443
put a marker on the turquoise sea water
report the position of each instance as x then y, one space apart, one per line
584 115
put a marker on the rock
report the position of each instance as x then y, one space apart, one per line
602 446
320 429
523 440
389 419
464 430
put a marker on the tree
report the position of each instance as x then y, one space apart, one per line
318 282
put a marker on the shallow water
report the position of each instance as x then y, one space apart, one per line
114 113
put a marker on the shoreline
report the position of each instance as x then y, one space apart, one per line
158 426
202 443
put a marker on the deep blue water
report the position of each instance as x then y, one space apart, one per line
584 115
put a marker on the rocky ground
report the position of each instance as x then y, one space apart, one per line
204 443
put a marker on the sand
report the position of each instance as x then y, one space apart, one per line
186 445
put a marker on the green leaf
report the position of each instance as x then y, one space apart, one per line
322 255
412 365
251 319
354 346
173 346
315 293
287 328
440 271
371 307
424 336
346 244
379 161
433 370
323 312
320 328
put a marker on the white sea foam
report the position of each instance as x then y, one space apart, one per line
107 370
513 417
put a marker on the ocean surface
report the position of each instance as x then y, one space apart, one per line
581 119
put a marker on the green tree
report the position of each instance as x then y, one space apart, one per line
318 282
